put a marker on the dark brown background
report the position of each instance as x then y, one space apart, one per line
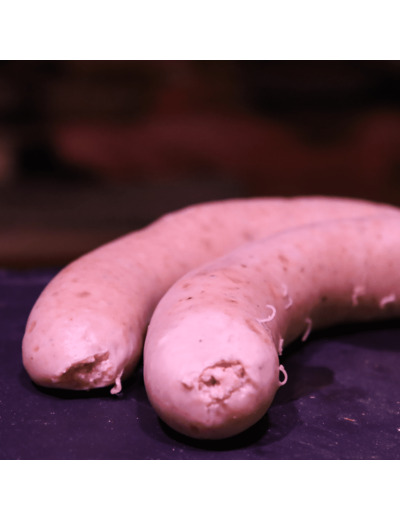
90 150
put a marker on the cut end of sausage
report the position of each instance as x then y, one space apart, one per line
217 383
93 372
210 381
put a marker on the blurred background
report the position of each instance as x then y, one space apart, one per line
90 150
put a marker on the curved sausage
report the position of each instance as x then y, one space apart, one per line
211 356
86 329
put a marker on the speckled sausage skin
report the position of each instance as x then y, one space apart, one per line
86 329
211 356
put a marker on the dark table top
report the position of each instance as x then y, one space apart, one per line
342 401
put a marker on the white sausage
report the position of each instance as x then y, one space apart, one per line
211 356
86 328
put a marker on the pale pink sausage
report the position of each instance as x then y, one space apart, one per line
211 356
86 329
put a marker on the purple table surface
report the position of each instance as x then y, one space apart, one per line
342 401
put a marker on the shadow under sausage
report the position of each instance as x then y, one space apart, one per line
372 335
264 432
237 442
302 381
305 379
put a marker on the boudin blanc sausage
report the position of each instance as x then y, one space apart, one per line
211 356
87 327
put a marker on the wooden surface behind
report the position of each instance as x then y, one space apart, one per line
45 224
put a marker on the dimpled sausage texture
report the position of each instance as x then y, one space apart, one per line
86 329
211 356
